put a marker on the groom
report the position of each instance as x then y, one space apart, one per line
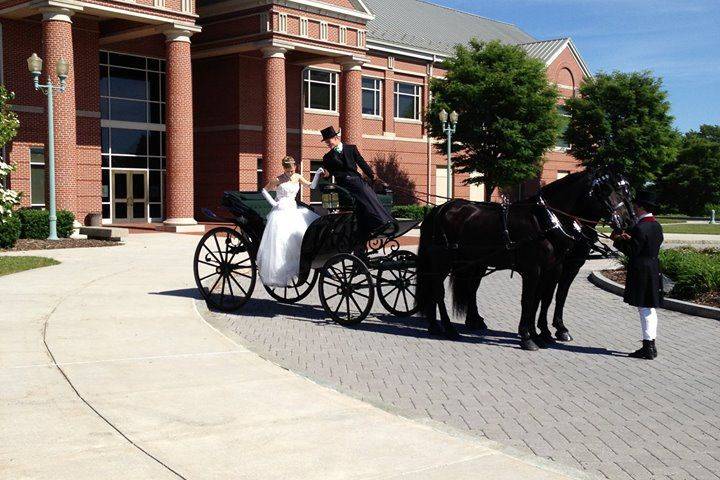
342 162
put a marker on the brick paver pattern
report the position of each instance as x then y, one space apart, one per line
583 404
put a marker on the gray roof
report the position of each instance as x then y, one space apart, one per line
545 50
424 25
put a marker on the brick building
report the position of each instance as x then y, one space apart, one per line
170 103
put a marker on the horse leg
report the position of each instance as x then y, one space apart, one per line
526 329
547 291
566 279
473 320
449 330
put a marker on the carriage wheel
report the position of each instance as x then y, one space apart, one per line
225 270
346 289
396 283
295 292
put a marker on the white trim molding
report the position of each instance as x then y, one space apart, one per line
178 35
362 13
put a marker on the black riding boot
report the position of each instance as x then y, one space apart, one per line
645 352
653 349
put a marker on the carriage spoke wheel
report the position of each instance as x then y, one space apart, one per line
225 270
346 289
294 292
396 283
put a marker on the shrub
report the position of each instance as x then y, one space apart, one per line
9 232
36 223
695 272
414 212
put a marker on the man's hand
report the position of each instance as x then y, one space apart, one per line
620 236
325 174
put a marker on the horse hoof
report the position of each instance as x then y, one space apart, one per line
529 345
547 337
435 330
451 333
476 325
540 342
563 336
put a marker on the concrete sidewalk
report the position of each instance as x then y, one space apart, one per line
107 371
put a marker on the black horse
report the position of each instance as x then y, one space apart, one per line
465 239
580 221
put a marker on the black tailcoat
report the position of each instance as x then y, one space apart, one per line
643 287
343 166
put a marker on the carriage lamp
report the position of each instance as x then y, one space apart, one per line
62 68
449 128
331 201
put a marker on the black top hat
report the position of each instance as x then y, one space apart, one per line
646 199
328 133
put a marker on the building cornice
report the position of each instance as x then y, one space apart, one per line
311 6
133 11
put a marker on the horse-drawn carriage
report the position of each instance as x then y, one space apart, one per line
349 268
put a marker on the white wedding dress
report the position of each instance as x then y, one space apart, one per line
278 257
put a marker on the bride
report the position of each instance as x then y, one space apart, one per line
278 257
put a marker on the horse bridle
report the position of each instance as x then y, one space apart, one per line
613 210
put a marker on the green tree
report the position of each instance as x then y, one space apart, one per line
507 112
692 180
8 120
8 128
623 120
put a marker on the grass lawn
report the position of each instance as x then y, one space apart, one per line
696 228
10 265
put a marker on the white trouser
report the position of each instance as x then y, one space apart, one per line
648 322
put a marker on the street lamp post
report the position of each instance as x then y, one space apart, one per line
61 69
449 128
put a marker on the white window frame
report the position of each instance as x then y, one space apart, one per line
343 35
304 27
377 90
361 38
44 163
562 110
283 23
334 87
324 30
417 96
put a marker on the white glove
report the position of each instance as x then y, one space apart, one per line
269 198
316 179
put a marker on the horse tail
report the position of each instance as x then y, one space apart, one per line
424 290
462 294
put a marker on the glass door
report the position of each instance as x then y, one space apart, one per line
130 196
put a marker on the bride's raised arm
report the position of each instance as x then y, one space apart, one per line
316 179
272 185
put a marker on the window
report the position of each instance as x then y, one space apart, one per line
316 195
259 174
37 177
282 22
343 35
371 95
564 124
323 31
132 88
562 174
361 38
321 90
303 27
407 101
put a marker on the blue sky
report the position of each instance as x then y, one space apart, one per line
678 40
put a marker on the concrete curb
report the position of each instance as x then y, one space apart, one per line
599 280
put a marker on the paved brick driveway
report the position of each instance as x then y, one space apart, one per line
582 404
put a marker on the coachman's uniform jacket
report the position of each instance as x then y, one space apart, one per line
643 286
343 166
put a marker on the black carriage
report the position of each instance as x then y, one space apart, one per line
350 269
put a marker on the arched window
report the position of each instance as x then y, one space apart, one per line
566 80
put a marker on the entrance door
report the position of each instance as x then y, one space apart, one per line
129 196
